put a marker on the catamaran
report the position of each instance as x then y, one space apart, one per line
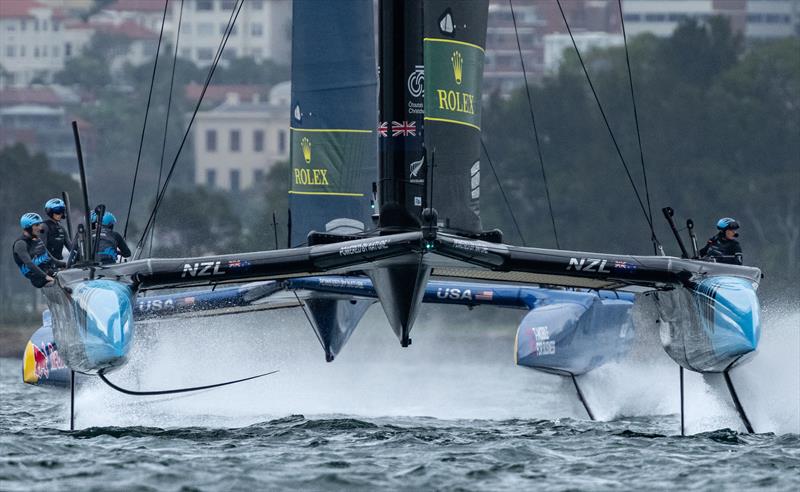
384 208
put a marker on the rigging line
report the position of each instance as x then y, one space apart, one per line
166 123
144 125
214 63
503 193
533 122
608 125
635 111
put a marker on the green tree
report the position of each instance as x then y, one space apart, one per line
28 183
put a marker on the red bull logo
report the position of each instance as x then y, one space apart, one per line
39 361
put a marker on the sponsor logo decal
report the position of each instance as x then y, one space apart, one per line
453 293
416 81
415 168
305 144
470 246
541 341
202 269
588 265
238 265
458 65
365 247
343 282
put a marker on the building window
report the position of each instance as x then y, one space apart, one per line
281 142
258 176
236 142
67 49
11 51
228 4
258 141
55 51
236 183
211 178
256 4
36 52
211 140
56 26
204 5
256 29
205 29
186 28
205 53
23 25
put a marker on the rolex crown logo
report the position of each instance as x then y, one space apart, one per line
305 144
458 64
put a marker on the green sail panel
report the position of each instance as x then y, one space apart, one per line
321 161
453 76
454 43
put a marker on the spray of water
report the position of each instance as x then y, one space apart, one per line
457 367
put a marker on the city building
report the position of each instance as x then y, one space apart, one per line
752 18
262 30
236 143
32 47
38 118
555 45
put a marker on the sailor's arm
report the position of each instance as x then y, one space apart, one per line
122 246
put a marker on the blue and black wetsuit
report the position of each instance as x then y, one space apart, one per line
110 245
30 255
722 250
55 238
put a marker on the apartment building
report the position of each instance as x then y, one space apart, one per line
236 143
262 30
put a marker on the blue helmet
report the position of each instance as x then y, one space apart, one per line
30 219
727 223
55 206
108 219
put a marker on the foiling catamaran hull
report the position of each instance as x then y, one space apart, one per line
710 310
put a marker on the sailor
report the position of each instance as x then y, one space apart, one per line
723 247
30 252
55 236
111 243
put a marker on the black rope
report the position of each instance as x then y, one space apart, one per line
166 123
608 125
636 118
535 130
126 391
231 21
503 193
144 125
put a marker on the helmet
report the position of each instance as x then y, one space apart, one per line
30 219
108 218
727 223
54 206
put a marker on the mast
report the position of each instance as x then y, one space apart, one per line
402 169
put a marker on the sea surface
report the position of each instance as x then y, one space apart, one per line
450 412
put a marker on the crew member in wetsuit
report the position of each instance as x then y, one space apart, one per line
30 253
723 247
111 243
55 236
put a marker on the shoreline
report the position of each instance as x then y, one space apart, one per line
13 339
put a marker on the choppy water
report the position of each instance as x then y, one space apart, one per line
451 412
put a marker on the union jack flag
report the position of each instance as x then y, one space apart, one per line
405 129
383 130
